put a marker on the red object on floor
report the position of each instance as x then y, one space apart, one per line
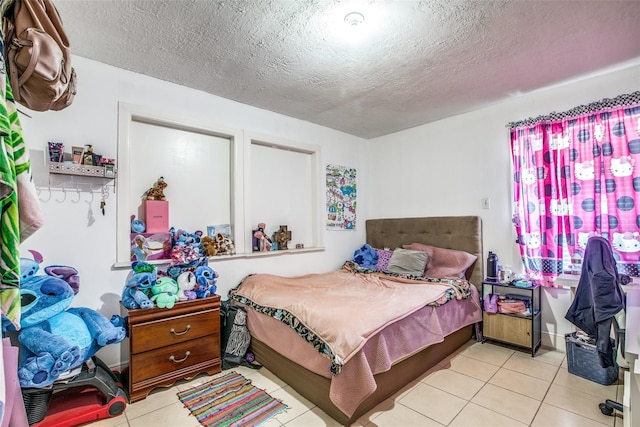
92 394
72 407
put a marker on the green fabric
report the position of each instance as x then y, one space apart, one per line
13 160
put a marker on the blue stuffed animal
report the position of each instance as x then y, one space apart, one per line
205 281
54 338
138 287
366 256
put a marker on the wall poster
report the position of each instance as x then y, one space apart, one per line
341 198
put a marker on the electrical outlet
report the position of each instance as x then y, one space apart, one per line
486 203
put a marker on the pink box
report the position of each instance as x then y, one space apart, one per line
156 213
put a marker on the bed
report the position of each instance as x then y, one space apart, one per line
399 351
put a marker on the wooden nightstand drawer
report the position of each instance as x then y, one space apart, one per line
165 332
180 356
516 330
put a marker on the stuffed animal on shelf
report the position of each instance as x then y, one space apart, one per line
208 246
186 282
205 281
165 292
224 245
54 338
138 286
157 191
137 225
185 246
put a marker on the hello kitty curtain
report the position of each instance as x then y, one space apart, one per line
575 177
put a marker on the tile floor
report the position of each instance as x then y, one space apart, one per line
482 384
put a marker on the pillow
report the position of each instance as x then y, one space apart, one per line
444 263
384 255
405 261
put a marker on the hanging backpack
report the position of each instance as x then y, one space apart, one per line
235 339
37 55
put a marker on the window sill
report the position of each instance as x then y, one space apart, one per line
213 259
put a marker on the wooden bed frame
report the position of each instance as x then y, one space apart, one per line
461 233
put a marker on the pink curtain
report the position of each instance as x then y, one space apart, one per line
575 177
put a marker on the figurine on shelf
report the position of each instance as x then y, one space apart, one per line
261 242
283 236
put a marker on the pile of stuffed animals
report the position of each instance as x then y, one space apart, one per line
187 247
147 287
54 338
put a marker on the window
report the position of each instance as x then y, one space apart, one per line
577 174
216 176
198 162
283 179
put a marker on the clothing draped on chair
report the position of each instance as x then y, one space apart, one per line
575 177
598 298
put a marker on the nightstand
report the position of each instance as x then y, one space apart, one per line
514 329
168 344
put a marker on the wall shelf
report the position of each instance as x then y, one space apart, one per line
80 170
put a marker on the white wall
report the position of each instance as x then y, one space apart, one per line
67 238
444 168
447 167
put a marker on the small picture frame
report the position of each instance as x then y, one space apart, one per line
224 229
109 171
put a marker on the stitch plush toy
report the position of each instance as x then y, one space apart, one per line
138 286
205 281
366 256
54 338
165 292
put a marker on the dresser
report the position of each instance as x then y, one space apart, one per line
168 344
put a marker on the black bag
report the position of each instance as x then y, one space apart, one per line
235 336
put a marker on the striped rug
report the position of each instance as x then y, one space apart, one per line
230 400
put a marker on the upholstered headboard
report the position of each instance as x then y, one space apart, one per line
463 233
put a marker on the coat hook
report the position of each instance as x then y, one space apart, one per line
44 200
78 192
64 197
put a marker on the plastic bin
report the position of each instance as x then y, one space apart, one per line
583 360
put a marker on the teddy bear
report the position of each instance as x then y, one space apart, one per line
186 282
54 338
165 292
205 281
208 246
138 287
157 191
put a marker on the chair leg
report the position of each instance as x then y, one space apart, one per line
608 406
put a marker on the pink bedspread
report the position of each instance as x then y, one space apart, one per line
397 340
343 308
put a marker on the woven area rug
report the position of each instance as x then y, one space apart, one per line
230 400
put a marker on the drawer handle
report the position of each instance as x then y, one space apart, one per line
173 331
173 358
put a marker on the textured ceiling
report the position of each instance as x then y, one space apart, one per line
417 61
